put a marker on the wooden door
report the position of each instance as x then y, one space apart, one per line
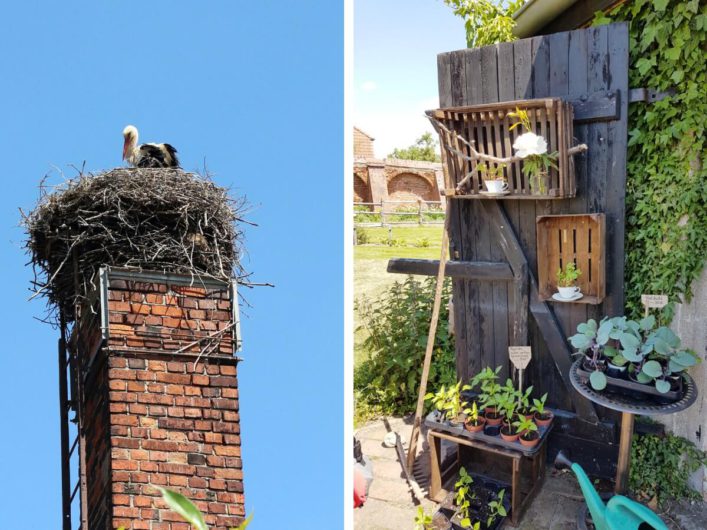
590 68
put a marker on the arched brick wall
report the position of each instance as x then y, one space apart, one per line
410 187
362 192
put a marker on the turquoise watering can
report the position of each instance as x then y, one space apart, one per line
619 513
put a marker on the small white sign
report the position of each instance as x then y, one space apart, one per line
654 300
520 356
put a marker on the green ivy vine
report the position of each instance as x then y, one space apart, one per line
666 218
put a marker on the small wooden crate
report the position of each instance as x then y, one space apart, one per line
579 238
487 127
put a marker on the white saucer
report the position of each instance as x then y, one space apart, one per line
574 297
494 193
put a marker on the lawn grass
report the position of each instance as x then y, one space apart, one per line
371 278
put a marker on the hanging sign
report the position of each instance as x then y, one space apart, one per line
654 300
520 356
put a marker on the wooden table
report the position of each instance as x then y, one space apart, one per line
518 505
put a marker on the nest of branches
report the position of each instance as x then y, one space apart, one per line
156 219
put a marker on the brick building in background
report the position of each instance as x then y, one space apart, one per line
157 399
391 179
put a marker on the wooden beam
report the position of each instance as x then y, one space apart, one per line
602 105
468 270
545 319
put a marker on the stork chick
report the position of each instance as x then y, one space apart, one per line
147 155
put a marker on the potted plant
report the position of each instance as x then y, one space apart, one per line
507 404
542 416
664 358
589 342
524 409
474 422
423 521
527 431
494 178
462 498
496 509
487 381
533 150
566 280
448 403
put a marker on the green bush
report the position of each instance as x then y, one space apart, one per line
661 465
362 236
398 323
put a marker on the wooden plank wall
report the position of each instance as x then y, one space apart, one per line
569 64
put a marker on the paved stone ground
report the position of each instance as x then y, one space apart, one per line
390 504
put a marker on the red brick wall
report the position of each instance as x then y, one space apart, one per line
166 420
409 186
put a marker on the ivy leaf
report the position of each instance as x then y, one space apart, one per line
644 65
672 54
598 380
660 5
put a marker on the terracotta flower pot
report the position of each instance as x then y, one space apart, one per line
508 437
532 442
480 422
540 422
494 419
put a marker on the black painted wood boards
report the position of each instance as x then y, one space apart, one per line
588 61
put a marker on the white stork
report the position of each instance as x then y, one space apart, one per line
147 155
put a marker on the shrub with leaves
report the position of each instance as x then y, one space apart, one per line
398 324
486 21
661 466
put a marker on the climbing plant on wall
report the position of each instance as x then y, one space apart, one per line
666 217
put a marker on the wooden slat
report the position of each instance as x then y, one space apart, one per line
616 171
549 327
565 238
469 270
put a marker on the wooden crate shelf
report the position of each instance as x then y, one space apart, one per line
565 238
488 129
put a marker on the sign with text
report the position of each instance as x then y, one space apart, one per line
654 300
520 356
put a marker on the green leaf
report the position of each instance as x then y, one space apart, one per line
643 378
662 386
580 342
647 323
629 341
598 380
652 369
245 523
184 507
672 54
684 358
603 333
660 5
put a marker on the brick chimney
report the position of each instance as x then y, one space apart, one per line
158 400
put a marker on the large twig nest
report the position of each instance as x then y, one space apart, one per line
157 219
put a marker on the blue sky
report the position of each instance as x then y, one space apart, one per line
396 43
256 89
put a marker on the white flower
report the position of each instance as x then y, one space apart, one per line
530 144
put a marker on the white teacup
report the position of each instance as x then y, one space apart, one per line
568 292
496 186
